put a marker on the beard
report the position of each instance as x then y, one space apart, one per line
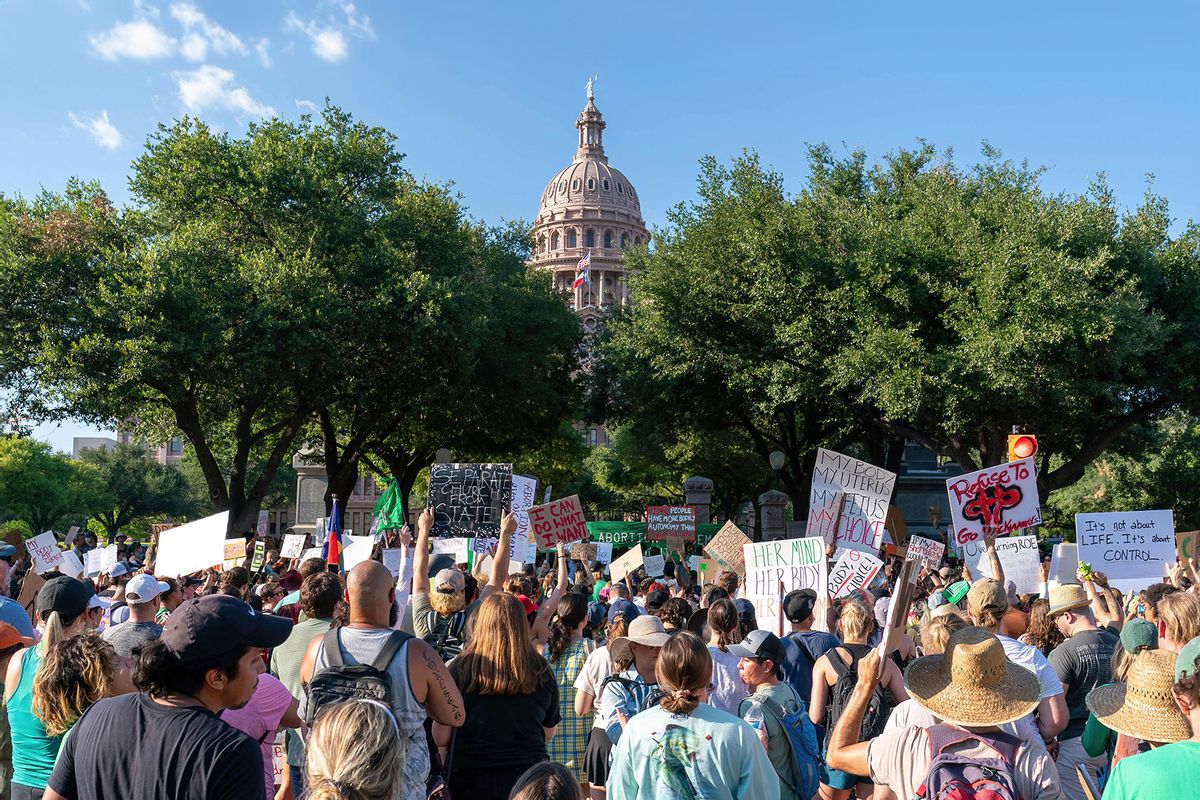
447 604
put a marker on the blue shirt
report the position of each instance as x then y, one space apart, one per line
12 613
800 652
617 696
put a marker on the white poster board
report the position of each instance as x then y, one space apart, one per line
1130 547
457 546
43 549
626 563
264 523
392 558
927 551
654 566
312 552
71 565
799 564
1064 563
524 491
854 570
293 545
91 562
1001 499
358 549
192 546
1019 556
860 512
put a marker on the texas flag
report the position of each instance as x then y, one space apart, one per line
331 550
583 271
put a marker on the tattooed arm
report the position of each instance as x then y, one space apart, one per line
433 686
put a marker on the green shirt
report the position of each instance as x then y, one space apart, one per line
779 750
285 665
596 589
33 751
1172 770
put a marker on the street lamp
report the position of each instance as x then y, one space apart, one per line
442 456
777 458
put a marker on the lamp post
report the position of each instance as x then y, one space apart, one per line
777 459
772 503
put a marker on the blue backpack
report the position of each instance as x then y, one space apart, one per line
802 738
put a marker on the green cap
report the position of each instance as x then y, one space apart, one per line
1185 662
956 591
1138 634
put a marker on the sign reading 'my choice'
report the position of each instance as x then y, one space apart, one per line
855 520
468 499
1127 545
853 571
559 521
1019 558
726 548
670 522
1000 500
797 564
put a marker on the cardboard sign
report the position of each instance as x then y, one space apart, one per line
156 528
896 526
192 547
671 522
856 520
625 564
1186 545
1001 500
1133 546
71 565
853 571
43 549
558 521
14 537
797 564
927 551
392 559
726 548
30 587
264 523
1019 556
293 545
524 496
655 566
468 499
585 551
901 602
459 547
234 550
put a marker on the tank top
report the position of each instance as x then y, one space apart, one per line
33 751
361 645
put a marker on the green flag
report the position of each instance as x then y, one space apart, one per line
389 509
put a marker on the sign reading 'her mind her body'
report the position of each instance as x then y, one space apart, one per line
1127 545
797 564
468 499
848 501
1000 500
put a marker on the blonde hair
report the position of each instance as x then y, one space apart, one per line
856 620
73 674
355 753
54 629
936 633
499 657
1180 617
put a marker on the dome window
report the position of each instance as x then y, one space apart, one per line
554 241
608 238
589 238
571 239
562 187
575 185
606 184
620 188
591 183
624 240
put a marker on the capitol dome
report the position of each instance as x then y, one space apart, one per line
592 181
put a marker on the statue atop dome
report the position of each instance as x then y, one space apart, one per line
590 82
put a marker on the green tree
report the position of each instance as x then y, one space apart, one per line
42 488
139 486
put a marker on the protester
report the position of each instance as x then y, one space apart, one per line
1172 770
208 659
971 688
1178 620
510 698
141 594
168 600
61 607
74 674
626 693
418 683
547 781
355 752
596 669
803 646
682 747
308 567
12 641
1154 593
729 581
118 610
1042 633
727 689
567 652
270 708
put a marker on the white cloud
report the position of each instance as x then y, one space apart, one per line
329 39
210 87
201 33
308 105
137 39
359 24
103 132
263 48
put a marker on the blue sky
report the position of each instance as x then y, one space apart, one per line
485 94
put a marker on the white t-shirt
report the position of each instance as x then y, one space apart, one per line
597 667
911 715
1031 658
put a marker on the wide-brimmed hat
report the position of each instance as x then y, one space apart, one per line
1067 597
645 630
1144 706
972 683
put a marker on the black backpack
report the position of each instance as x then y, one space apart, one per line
446 634
878 709
339 682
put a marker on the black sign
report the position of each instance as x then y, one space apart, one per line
468 499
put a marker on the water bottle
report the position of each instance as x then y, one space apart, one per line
755 719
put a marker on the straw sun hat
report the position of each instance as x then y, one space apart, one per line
1144 706
973 684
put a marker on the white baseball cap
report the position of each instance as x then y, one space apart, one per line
143 589
117 570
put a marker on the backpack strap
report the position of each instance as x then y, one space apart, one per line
395 641
333 648
799 643
943 736
839 664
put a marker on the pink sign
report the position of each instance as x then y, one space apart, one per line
558 521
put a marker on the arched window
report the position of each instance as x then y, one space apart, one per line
606 184
624 240
554 241
637 242
608 238
575 185
542 244
591 183
562 186
571 239
620 188
589 238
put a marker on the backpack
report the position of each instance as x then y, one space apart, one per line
651 699
339 681
445 634
802 741
955 776
877 710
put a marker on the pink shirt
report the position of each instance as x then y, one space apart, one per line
259 719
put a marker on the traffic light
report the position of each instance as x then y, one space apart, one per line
1021 445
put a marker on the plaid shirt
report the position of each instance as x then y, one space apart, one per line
571 740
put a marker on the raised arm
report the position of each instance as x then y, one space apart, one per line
989 539
508 525
421 557
541 623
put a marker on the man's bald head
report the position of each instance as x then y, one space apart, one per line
369 591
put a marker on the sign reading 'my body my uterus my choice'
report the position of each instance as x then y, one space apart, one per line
1133 546
1000 500
797 564
848 501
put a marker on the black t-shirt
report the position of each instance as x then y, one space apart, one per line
160 753
1083 662
507 729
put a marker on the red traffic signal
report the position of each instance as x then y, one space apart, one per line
1021 445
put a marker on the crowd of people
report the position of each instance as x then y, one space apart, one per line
557 683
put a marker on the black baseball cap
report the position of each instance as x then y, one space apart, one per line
68 596
655 599
759 644
207 626
799 604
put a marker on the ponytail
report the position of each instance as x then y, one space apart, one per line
572 610
55 630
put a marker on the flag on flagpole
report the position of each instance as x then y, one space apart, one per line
331 550
583 271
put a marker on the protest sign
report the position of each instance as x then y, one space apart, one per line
468 499
392 558
927 551
558 521
585 551
524 493
71 565
234 550
15 537
459 547
854 570
192 547
670 522
108 558
775 568
896 526
655 566
264 523
312 552
484 545
856 518
1133 546
1000 500
293 545
625 564
1019 557
260 555
43 549
91 562
1186 546
32 584
1064 563
901 602
726 548
156 528
71 534
358 550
